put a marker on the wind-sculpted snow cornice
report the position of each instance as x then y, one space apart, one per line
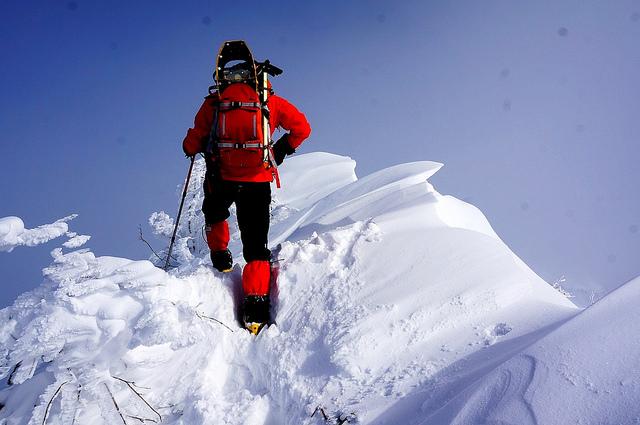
14 234
365 197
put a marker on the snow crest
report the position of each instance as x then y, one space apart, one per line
391 299
13 232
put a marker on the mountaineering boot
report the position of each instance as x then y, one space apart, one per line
222 260
256 312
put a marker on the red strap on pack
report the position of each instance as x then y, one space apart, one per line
276 176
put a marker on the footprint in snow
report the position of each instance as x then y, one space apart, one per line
493 333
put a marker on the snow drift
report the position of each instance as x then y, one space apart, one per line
395 303
13 233
587 371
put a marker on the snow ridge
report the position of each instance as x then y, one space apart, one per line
387 291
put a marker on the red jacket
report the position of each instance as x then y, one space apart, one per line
282 114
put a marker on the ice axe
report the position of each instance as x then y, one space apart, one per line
268 67
175 228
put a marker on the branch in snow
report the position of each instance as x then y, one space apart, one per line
46 411
141 237
13 372
321 410
202 316
115 403
337 418
77 400
130 384
346 418
143 420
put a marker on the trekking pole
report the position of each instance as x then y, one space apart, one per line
175 228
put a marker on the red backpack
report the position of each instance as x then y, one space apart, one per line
239 134
238 140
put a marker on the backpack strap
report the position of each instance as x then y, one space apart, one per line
231 145
234 105
213 134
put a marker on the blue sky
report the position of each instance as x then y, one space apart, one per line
532 106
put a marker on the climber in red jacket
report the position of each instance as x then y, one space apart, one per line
227 131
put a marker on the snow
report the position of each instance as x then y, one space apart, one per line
395 304
76 241
585 372
13 232
313 176
161 223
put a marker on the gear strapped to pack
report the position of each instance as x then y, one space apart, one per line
268 157
240 139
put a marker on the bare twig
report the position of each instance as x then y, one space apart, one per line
75 414
46 411
347 418
143 420
321 410
114 403
130 384
202 316
148 244
13 372
339 418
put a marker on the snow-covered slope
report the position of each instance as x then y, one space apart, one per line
393 299
585 372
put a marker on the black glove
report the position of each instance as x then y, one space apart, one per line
282 148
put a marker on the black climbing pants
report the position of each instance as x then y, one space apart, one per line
252 210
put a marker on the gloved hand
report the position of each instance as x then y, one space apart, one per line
187 152
282 148
191 145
